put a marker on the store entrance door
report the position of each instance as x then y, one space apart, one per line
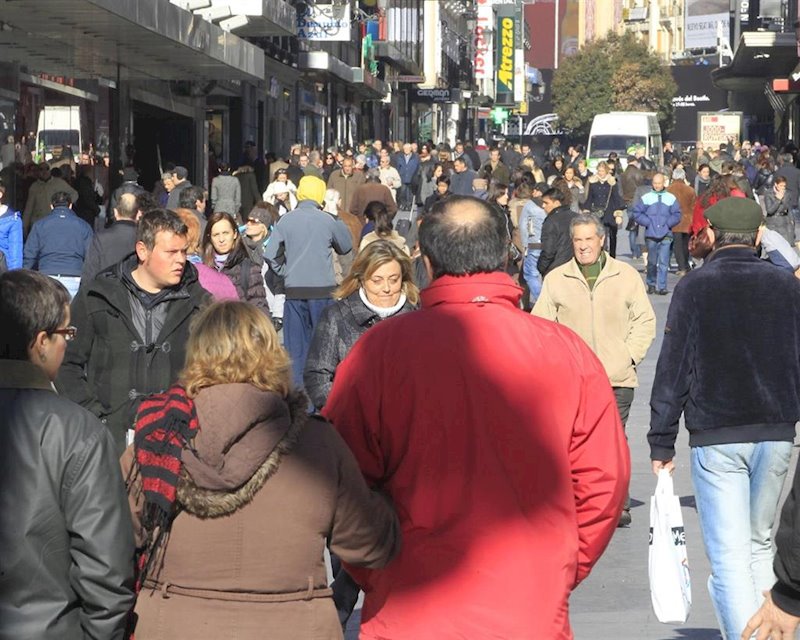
161 137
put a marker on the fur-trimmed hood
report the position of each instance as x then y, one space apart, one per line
609 179
244 434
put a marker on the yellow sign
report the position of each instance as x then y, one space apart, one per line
505 56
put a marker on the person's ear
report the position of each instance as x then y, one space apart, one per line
141 251
759 235
428 268
37 352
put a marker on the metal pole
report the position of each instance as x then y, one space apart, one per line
555 36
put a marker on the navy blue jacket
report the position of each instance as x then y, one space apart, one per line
57 244
730 360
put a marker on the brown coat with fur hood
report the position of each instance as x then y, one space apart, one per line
262 490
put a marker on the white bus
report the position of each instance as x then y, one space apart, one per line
624 132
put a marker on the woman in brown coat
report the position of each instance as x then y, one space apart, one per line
232 521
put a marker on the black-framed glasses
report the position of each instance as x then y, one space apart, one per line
69 333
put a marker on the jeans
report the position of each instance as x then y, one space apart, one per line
658 262
633 240
737 488
531 274
624 398
299 319
72 284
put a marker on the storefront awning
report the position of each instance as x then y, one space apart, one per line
761 56
368 85
323 63
148 39
391 55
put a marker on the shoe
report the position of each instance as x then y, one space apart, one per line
651 289
662 292
624 519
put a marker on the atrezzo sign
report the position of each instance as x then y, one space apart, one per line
504 77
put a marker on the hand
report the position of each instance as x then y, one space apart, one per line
771 622
658 465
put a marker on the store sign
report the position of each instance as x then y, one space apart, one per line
437 95
325 22
482 41
705 21
504 77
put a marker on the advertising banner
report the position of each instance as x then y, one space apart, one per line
482 41
505 35
701 22
715 128
325 22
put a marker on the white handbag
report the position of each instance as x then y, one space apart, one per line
670 585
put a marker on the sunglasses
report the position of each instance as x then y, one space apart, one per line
254 221
69 333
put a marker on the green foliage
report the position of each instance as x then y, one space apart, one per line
615 73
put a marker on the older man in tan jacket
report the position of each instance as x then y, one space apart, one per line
605 302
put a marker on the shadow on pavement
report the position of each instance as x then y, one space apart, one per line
695 634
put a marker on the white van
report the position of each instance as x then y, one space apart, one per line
58 134
624 132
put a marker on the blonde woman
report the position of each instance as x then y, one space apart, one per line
236 546
380 285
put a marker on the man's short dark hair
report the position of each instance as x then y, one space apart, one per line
444 179
462 246
30 302
554 194
724 238
190 195
146 201
158 220
61 199
127 206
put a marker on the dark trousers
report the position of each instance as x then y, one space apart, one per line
299 319
345 590
611 234
624 398
681 249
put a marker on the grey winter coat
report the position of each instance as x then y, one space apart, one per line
337 330
66 543
226 194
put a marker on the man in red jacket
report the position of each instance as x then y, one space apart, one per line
497 437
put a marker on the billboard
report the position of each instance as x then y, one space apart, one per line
702 19
505 54
715 128
324 22
482 41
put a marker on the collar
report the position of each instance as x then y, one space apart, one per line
610 268
21 374
496 287
732 251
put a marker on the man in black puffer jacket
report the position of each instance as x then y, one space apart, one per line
556 238
133 323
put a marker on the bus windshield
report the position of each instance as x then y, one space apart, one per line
601 146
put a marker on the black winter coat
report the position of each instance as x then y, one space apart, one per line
337 330
246 277
109 367
66 538
556 241
108 247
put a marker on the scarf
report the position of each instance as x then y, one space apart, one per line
382 312
165 424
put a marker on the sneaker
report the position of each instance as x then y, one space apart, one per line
662 292
624 519
651 289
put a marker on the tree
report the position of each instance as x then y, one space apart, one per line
615 73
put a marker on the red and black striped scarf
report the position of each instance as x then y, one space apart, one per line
165 424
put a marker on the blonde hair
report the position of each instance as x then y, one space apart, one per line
369 260
193 226
233 341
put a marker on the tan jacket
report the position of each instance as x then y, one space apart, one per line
246 560
686 197
616 319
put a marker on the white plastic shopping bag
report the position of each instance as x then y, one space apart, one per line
670 586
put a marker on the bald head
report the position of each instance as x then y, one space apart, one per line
127 207
463 235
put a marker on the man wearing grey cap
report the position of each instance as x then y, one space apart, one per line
729 363
180 178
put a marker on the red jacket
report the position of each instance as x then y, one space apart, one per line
497 436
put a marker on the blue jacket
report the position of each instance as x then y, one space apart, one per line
299 250
57 244
11 237
407 168
657 212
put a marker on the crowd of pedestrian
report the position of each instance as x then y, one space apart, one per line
332 350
